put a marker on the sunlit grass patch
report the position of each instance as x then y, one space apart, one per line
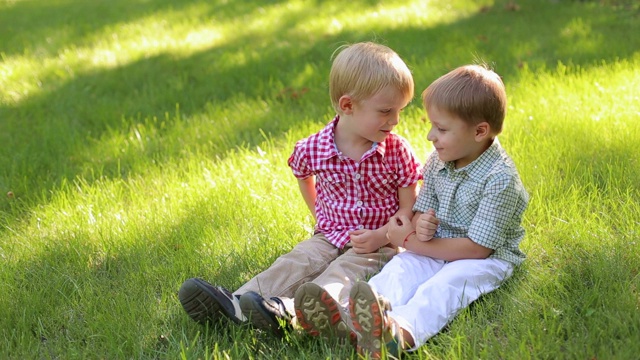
146 142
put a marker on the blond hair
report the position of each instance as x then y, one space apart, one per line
472 92
361 70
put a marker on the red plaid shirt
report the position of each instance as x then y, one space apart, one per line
350 194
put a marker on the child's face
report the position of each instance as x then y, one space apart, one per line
453 138
374 118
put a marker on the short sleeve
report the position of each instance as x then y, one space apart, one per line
299 160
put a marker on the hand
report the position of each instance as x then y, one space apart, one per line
399 228
366 241
427 225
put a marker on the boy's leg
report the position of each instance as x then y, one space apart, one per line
369 302
320 305
304 262
436 302
400 278
346 269
205 302
267 298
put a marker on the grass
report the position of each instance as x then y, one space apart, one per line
145 142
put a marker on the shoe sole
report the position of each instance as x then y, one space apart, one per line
258 315
319 314
201 303
368 320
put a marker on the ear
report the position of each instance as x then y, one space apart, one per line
346 104
483 131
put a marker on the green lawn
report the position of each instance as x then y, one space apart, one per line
144 142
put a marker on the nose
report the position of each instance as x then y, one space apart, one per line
431 136
395 119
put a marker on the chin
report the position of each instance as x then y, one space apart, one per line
446 159
380 138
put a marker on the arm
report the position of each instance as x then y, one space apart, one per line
308 191
450 249
366 241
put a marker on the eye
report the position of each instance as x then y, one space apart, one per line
385 111
439 129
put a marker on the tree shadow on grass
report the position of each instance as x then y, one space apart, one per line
155 85
87 293
90 293
47 27
122 98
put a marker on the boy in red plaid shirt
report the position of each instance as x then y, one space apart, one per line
354 174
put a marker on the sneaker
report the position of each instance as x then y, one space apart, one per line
265 314
376 329
205 302
320 314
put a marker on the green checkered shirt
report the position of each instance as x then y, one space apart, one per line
483 201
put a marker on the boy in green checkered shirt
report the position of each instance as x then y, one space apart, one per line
463 239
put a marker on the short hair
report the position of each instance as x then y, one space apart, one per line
474 93
361 70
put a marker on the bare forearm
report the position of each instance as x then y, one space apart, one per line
407 198
308 192
381 237
448 249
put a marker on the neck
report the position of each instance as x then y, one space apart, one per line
349 143
482 147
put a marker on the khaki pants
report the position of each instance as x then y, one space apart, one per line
317 260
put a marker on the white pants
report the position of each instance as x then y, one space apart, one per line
426 294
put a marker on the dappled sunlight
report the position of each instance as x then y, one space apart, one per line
180 34
116 46
108 213
137 72
403 15
147 141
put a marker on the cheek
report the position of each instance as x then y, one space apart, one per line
447 141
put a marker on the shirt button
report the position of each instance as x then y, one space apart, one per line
359 203
360 227
358 176
384 181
